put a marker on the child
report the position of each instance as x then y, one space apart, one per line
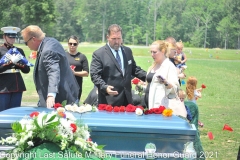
180 57
191 88
193 93
182 96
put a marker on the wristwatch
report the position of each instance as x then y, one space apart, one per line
166 84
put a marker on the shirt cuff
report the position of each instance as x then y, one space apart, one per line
52 95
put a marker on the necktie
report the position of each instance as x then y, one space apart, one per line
118 59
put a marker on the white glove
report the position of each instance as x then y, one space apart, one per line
15 58
8 56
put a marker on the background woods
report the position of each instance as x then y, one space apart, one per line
198 23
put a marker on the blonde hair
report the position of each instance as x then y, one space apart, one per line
162 46
33 31
180 44
181 92
191 86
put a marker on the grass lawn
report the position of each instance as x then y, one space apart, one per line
218 69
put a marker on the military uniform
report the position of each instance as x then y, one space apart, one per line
11 81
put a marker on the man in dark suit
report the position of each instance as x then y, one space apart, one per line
52 75
111 70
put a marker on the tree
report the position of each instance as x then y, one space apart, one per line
38 12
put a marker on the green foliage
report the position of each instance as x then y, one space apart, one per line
202 23
16 127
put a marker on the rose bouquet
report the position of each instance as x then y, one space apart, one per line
58 127
139 110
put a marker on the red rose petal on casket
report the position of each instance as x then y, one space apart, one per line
56 105
109 108
227 127
151 111
102 107
122 109
116 109
157 111
162 108
140 107
130 108
34 114
210 135
146 112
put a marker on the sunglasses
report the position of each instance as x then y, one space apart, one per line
74 44
26 43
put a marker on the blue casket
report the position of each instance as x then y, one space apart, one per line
124 134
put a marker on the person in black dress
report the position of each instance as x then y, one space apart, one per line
78 62
11 81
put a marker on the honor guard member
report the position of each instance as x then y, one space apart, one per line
11 81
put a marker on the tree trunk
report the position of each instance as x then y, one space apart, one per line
238 42
104 23
146 39
205 38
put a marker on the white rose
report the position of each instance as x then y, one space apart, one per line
67 107
61 109
81 109
88 107
139 112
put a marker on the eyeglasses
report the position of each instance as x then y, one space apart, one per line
26 43
74 44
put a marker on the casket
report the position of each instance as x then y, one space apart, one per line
125 135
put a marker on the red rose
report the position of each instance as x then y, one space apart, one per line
157 111
102 107
130 108
116 109
135 81
56 105
74 127
162 108
109 108
122 109
140 107
203 86
151 111
34 114
146 112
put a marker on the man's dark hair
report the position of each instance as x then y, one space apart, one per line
114 28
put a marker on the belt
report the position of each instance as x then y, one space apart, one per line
10 71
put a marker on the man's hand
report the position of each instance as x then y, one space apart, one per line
110 90
50 101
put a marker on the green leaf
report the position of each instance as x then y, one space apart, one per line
101 147
36 123
51 119
44 117
17 127
64 103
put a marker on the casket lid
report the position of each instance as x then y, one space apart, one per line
112 122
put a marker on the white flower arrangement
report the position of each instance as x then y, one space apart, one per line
58 127
81 109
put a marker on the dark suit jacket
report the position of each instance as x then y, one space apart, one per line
104 71
52 73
